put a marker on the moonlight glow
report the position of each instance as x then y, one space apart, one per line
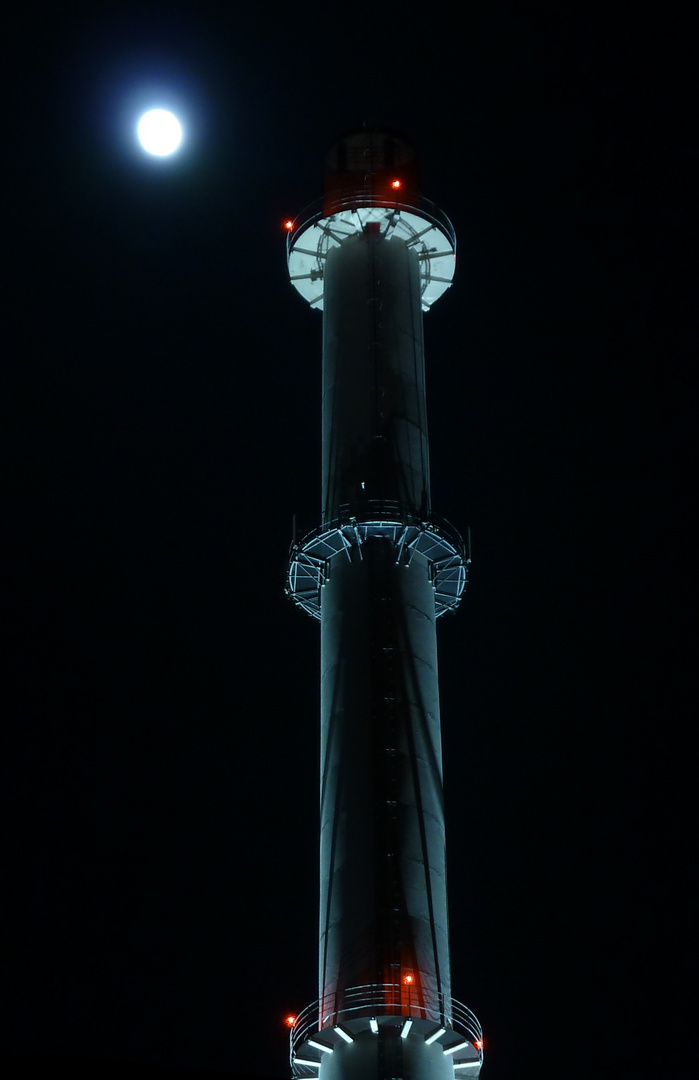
159 132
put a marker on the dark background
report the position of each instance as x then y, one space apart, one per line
161 390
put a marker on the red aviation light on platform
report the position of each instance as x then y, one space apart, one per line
478 1043
408 980
289 1021
288 224
396 184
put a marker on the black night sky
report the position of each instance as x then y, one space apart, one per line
162 401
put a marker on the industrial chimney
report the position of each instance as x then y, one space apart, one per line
377 572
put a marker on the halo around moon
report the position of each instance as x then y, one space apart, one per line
159 132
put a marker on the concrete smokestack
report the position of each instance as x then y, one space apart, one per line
378 572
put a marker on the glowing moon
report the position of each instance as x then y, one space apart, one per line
159 132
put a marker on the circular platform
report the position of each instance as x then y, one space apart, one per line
418 222
435 544
450 1030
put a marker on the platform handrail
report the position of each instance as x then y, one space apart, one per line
383 510
355 200
382 999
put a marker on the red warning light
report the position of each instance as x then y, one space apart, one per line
288 225
395 184
290 1021
408 979
478 1043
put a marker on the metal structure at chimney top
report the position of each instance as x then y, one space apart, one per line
378 571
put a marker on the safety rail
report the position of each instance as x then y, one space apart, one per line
383 999
389 511
354 200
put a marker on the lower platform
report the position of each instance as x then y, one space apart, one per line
366 1039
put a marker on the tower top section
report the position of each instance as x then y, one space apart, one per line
371 186
372 167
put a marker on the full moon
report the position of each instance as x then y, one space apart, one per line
159 132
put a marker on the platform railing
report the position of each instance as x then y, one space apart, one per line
354 200
383 510
382 999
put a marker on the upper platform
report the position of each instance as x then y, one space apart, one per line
371 185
